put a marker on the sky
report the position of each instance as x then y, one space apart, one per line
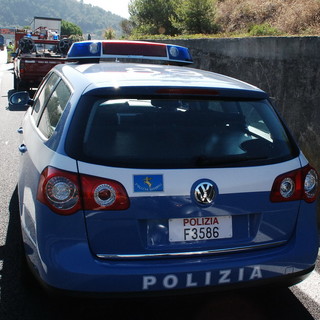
119 7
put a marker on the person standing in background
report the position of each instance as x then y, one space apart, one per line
9 51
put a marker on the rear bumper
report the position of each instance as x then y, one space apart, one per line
68 265
81 273
281 281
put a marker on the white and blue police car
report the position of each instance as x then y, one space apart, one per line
155 178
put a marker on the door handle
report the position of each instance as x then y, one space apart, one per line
23 148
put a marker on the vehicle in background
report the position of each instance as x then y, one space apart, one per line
37 52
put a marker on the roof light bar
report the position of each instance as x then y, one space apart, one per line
88 50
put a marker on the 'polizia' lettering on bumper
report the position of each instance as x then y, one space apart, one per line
208 278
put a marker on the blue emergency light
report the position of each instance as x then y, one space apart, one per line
117 49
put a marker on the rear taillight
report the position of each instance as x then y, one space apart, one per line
59 190
301 184
66 193
103 194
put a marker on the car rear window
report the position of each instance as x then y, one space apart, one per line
180 133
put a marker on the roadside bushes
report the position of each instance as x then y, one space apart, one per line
263 30
223 18
269 17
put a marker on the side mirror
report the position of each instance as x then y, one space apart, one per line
20 99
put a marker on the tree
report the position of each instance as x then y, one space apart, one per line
69 28
196 16
126 26
153 17
109 34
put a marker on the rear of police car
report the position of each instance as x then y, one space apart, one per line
186 180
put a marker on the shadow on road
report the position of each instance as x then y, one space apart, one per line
22 300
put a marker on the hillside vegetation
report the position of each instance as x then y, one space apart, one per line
195 18
91 19
290 17
166 18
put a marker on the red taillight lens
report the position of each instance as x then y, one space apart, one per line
60 190
103 194
301 184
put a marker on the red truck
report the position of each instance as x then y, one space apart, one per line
37 52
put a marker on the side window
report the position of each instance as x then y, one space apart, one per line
43 95
54 109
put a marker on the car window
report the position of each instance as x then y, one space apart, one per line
43 95
180 133
54 109
44 48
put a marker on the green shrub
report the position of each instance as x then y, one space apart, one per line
263 30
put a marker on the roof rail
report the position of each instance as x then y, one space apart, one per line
86 51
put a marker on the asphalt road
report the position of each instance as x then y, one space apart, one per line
23 300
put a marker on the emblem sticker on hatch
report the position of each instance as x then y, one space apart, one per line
148 183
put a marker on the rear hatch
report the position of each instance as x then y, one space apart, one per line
197 174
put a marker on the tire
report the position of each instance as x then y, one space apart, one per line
26 45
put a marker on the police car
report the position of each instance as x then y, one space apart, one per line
152 178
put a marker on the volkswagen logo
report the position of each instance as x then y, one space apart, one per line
204 193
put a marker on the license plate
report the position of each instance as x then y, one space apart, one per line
196 229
